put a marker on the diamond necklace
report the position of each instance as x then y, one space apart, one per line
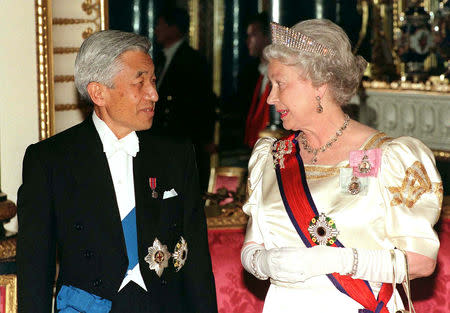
301 137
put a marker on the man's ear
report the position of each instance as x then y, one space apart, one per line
97 92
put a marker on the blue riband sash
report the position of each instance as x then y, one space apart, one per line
301 209
74 300
130 234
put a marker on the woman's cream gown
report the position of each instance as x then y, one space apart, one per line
398 208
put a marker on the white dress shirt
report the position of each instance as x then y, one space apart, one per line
120 163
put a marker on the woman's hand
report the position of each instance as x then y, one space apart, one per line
292 264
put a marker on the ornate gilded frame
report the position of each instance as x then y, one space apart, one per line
391 27
10 282
392 13
229 218
44 54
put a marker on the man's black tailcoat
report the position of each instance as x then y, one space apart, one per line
67 206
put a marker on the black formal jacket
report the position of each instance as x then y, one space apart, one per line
186 105
67 207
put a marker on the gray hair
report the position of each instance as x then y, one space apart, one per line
342 71
99 58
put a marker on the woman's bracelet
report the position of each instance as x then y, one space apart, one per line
254 268
355 262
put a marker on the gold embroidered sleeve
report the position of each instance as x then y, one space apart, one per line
412 194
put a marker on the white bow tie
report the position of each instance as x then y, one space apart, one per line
129 144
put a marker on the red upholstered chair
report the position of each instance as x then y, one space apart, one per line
237 291
226 177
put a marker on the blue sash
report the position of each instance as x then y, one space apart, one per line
130 234
74 300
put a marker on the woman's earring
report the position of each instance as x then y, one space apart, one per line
319 108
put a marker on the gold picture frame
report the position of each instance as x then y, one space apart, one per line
233 217
45 52
10 282
387 18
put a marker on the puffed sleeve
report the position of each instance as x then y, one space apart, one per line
412 195
256 165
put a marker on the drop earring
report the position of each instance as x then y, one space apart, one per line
319 108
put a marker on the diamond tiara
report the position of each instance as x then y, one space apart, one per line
285 36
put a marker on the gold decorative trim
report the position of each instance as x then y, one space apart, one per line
64 78
442 155
89 7
44 67
194 24
219 10
73 21
431 86
315 172
415 183
376 141
438 190
237 220
67 107
104 18
8 248
65 50
10 282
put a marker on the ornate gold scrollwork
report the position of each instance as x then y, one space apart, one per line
44 68
65 50
64 78
66 107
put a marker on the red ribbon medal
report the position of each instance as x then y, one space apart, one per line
152 182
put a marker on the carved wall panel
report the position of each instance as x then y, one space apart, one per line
425 116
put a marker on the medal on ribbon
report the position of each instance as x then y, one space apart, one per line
352 184
180 254
354 187
152 183
364 166
365 162
158 257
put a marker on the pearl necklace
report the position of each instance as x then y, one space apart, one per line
301 137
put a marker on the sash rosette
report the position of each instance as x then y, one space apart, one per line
301 210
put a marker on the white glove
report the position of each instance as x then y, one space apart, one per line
292 265
289 264
376 266
249 254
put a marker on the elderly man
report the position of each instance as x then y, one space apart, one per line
116 207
